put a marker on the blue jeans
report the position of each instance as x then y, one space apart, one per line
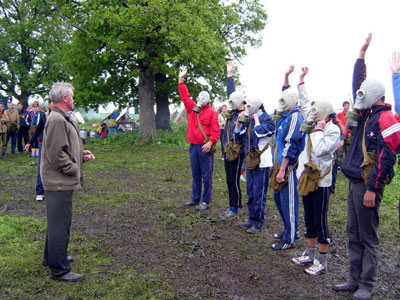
13 136
39 185
202 165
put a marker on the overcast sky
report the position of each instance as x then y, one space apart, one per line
326 36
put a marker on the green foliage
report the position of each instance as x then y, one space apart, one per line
30 41
121 40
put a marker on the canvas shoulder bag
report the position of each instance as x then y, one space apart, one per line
213 148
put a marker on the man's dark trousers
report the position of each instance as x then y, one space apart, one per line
362 232
23 133
232 171
59 218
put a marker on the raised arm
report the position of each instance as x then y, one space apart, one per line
230 82
184 92
395 67
359 73
286 84
305 102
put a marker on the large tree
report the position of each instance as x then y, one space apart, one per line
122 49
31 36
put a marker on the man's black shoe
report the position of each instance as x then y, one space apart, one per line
69 277
70 259
345 287
191 203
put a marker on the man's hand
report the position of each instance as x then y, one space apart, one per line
304 72
280 177
290 70
369 199
395 62
87 155
182 73
27 146
365 45
320 124
206 147
229 68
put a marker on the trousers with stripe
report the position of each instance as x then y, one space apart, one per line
287 202
257 187
315 215
202 165
232 171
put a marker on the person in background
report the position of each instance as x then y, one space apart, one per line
3 130
221 121
346 132
37 137
201 117
12 119
35 118
23 132
377 132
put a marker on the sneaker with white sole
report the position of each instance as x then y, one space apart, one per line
202 206
39 197
242 178
316 269
223 214
302 260
282 245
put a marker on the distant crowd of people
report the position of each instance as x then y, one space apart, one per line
297 152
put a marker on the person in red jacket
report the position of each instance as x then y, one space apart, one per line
201 159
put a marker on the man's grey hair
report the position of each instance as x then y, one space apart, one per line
59 89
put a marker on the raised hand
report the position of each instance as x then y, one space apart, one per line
290 70
395 62
229 68
304 72
365 45
182 73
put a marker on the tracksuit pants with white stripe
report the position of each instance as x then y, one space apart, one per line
315 215
232 171
202 165
257 187
287 202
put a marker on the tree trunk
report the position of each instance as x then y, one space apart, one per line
162 103
147 129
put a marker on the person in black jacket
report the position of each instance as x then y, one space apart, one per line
23 132
376 137
37 137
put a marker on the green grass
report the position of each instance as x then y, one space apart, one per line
132 200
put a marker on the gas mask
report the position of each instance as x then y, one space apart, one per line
235 99
370 91
202 100
320 110
252 106
286 102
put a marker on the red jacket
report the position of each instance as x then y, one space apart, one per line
208 119
343 119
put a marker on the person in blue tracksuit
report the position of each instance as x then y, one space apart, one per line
232 167
290 143
261 128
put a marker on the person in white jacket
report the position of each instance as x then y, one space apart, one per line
324 138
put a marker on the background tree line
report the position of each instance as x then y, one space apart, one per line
124 51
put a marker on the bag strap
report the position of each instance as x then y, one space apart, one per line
249 136
364 147
229 127
201 128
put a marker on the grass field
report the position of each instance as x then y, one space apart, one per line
133 239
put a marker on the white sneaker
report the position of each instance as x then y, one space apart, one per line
302 260
316 269
39 197
242 178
